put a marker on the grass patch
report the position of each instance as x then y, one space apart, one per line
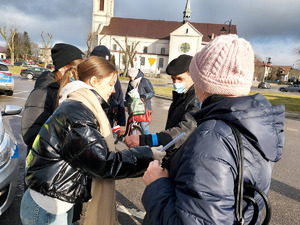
291 102
164 91
153 80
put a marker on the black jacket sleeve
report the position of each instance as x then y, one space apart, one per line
84 147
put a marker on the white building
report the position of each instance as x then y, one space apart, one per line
159 40
3 52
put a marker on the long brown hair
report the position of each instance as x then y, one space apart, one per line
92 66
59 75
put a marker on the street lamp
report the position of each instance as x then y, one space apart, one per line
223 28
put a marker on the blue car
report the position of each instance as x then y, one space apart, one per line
6 80
9 159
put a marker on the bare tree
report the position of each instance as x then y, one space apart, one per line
129 53
89 42
101 39
45 53
35 49
11 43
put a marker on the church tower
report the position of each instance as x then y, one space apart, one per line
187 12
103 11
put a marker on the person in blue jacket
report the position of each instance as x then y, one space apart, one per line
145 90
198 186
116 100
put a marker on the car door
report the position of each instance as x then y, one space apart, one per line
37 72
5 81
294 88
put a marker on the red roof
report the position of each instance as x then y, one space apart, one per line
158 29
285 69
2 49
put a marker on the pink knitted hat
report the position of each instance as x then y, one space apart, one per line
225 66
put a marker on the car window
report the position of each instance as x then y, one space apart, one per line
3 67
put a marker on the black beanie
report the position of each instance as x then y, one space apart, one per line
179 65
62 54
101 51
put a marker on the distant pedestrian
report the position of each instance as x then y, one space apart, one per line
144 88
200 184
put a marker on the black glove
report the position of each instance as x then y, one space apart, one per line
143 96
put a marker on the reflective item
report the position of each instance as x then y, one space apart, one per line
179 87
198 104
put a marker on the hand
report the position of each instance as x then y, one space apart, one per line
132 141
143 96
126 109
154 172
121 131
158 155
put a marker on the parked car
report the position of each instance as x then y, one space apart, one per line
9 159
6 80
6 61
21 63
32 72
264 85
291 88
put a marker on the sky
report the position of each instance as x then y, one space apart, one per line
271 26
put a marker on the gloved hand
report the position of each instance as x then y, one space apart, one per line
157 155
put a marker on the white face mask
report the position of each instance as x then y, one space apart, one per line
179 87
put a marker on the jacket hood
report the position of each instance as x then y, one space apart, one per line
254 116
46 79
140 74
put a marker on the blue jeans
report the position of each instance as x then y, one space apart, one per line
145 127
31 213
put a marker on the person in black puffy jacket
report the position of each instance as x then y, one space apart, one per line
75 149
198 185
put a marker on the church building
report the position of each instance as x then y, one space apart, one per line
157 41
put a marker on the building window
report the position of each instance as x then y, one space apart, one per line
163 51
142 61
101 5
161 63
145 50
114 47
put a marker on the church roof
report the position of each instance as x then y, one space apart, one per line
158 29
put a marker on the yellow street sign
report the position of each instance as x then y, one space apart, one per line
151 60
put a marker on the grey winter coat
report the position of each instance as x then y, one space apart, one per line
145 88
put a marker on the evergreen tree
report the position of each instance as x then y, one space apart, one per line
27 46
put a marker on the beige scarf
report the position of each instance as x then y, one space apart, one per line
102 207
